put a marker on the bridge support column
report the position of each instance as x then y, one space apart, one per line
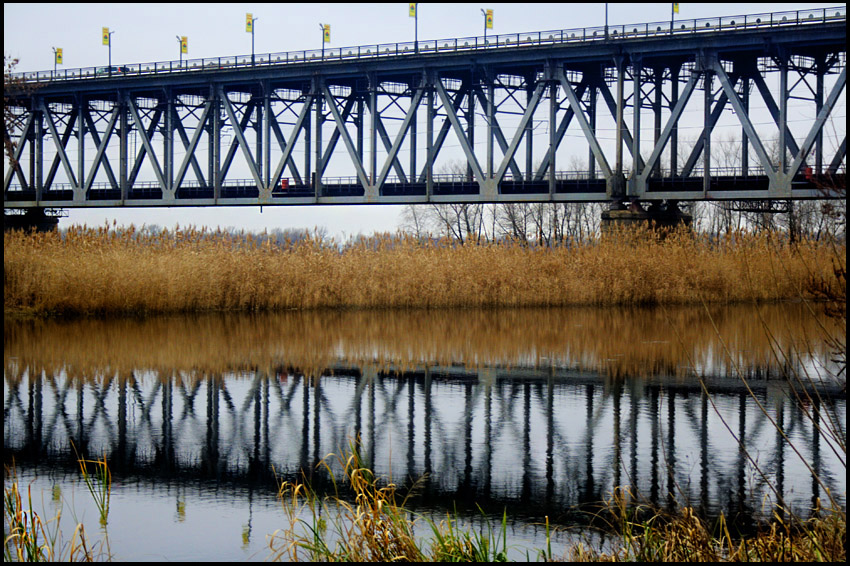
660 215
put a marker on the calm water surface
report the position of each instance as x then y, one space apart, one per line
540 412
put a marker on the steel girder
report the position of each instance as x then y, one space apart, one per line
237 139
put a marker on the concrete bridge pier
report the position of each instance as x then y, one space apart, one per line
661 214
33 219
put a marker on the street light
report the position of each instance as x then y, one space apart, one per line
107 40
326 37
488 22
249 23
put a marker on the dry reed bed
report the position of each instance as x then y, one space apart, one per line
98 271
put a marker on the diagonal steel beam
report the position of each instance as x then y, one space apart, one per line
66 136
707 129
101 149
18 152
402 132
385 139
60 147
134 114
461 135
444 130
329 149
772 107
582 120
240 136
234 144
819 122
500 137
370 190
191 146
508 158
562 130
286 158
140 157
612 107
744 118
668 129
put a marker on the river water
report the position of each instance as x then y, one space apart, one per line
539 413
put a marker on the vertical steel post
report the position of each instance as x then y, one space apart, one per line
123 146
637 96
618 168
267 133
215 140
656 107
820 69
529 129
373 128
359 124
318 145
706 146
81 143
491 118
412 136
168 141
308 141
674 133
38 145
745 141
591 116
429 140
470 123
783 115
553 110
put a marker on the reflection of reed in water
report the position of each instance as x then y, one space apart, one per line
617 342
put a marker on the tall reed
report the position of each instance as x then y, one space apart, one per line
27 537
370 523
86 270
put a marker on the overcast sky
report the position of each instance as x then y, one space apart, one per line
147 32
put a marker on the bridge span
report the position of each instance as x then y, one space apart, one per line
345 125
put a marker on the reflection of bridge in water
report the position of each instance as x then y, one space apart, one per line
544 439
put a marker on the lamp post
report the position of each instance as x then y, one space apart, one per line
180 41
107 40
414 13
249 22
488 23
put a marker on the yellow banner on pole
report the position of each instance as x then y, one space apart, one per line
58 55
327 35
412 9
249 23
675 7
184 44
489 19
106 36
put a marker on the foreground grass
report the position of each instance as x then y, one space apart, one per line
99 271
370 524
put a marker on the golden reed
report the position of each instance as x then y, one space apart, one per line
100 271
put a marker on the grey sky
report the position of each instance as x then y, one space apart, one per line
147 33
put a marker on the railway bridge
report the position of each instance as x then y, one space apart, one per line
569 115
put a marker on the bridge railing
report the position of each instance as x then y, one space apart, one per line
426 47
446 180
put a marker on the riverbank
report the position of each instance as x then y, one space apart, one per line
102 271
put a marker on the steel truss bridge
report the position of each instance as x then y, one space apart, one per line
270 129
